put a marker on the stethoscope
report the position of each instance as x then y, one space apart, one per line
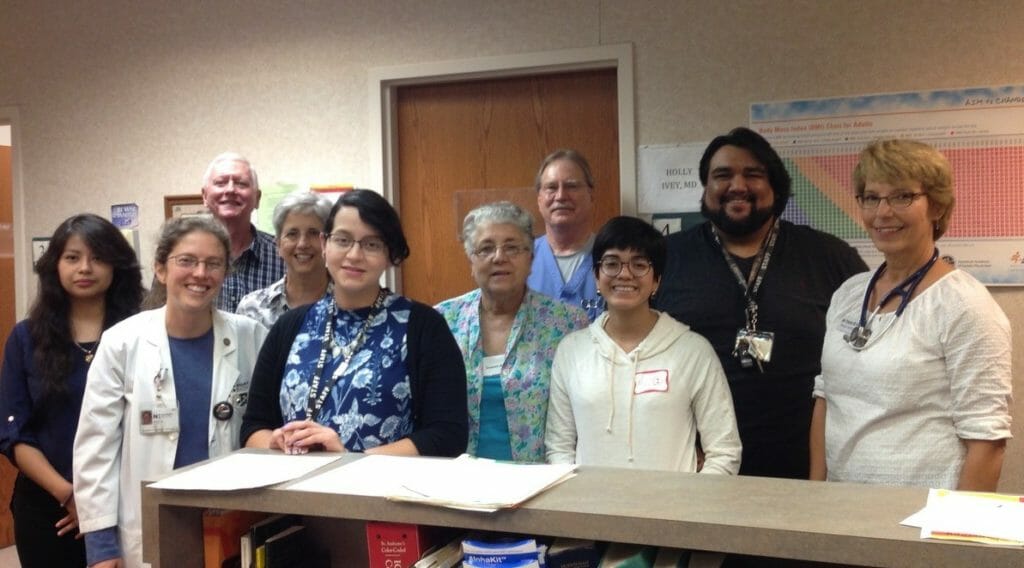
860 335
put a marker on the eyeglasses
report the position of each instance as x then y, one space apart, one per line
369 245
189 262
897 201
488 252
612 267
570 186
295 235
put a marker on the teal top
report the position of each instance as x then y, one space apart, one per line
494 440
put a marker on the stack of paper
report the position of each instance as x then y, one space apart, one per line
988 518
463 483
245 471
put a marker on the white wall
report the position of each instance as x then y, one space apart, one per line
124 101
5 135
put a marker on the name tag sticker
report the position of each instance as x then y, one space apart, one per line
651 381
847 325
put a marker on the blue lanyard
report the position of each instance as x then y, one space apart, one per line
904 289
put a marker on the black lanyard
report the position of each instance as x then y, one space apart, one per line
752 284
316 398
904 289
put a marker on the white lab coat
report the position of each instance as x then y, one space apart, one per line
112 456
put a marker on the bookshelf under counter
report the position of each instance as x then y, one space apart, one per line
826 522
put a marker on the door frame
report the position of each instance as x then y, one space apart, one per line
385 81
22 251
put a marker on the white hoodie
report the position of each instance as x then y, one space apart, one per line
642 409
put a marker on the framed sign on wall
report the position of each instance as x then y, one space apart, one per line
184 206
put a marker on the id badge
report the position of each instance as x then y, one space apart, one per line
158 420
753 346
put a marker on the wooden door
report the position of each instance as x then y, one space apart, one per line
463 144
7 471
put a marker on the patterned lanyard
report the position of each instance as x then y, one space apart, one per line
315 401
751 285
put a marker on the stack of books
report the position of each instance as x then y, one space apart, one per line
279 541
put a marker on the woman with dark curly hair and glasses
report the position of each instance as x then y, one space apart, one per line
637 388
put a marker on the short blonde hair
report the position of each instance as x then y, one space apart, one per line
898 160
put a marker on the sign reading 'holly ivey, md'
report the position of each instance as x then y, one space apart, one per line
669 182
125 215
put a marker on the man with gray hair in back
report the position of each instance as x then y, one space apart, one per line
562 264
231 192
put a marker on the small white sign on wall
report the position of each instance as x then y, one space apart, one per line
668 179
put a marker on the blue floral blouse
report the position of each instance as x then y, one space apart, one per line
370 405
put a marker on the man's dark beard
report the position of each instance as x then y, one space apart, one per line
754 221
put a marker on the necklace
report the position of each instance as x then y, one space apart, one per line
316 396
87 353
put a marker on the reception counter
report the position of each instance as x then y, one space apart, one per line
827 522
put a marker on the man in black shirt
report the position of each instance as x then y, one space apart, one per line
758 289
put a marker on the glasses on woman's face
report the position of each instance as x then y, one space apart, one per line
870 202
612 266
369 245
189 262
488 252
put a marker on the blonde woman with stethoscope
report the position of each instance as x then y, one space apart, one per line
915 373
167 389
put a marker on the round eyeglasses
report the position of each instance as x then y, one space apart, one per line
612 267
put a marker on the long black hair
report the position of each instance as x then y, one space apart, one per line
49 320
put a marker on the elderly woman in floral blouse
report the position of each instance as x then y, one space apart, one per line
507 334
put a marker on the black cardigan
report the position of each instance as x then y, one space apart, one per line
437 377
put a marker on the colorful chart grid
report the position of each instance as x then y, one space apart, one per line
988 183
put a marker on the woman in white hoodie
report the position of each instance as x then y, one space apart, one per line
637 388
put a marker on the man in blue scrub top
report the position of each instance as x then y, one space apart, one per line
563 267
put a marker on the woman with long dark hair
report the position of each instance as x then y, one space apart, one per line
89 279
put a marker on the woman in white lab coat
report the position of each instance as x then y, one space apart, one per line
167 389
